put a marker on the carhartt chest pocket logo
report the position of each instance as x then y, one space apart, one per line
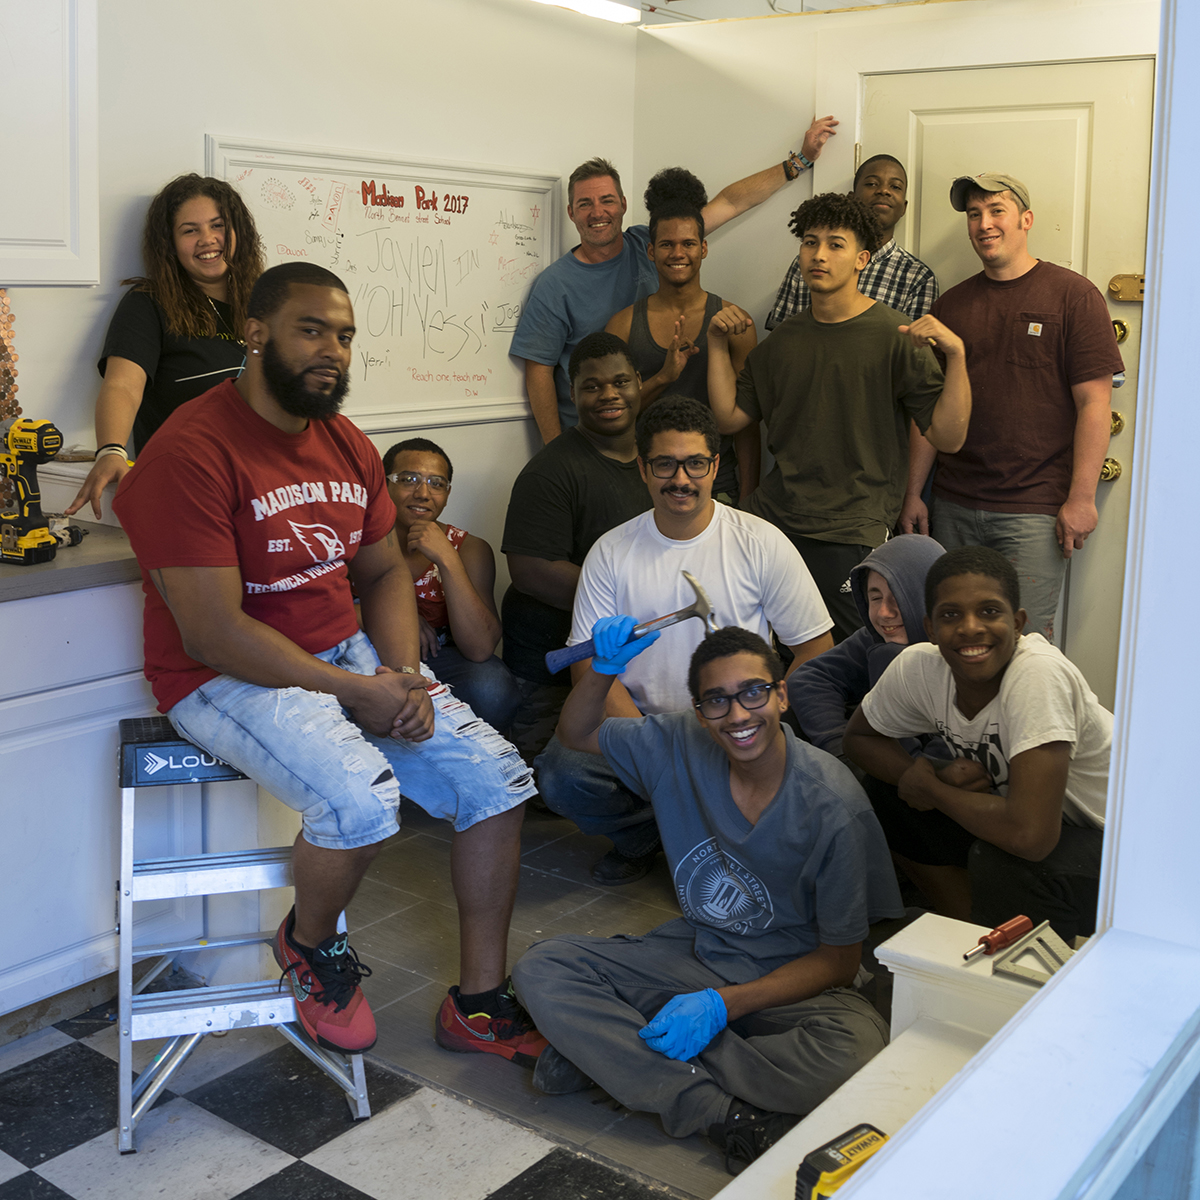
1034 339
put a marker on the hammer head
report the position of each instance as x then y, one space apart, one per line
703 606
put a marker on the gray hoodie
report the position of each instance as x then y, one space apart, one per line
825 690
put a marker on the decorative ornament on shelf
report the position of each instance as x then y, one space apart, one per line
8 385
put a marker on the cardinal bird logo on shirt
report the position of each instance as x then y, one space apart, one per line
321 541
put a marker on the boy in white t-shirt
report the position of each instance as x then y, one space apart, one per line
1014 824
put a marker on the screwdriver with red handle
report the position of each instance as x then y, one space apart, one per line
1001 936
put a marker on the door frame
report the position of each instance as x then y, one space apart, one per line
1104 102
1080 1082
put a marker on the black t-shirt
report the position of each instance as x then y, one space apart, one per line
566 496
177 369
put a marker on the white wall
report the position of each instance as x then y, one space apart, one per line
499 81
489 81
724 98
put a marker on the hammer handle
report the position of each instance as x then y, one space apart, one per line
557 659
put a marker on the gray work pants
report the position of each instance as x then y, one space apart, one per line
1027 540
590 995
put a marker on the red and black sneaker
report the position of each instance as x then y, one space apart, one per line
329 1003
509 1031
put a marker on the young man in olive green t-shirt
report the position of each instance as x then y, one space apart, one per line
836 387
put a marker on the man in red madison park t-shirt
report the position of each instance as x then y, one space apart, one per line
252 510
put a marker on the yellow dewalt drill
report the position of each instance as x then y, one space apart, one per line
24 534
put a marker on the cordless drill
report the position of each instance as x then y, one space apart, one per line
24 534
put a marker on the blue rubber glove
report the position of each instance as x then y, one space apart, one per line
686 1024
614 648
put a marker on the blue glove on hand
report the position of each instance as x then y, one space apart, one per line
686 1024
614 648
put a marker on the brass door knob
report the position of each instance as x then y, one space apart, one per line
1117 423
1121 329
1110 471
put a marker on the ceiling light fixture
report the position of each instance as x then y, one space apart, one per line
606 10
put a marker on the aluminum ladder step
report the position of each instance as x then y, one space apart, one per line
192 945
212 1009
209 874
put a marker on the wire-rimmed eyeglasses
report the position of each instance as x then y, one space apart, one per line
410 479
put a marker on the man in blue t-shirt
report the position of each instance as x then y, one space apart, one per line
610 269
742 1015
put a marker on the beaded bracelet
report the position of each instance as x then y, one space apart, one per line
799 163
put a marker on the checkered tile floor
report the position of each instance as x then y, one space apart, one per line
249 1116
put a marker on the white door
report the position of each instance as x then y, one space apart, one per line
1078 135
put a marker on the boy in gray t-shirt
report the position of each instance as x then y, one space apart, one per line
742 1015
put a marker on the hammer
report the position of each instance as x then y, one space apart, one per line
557 659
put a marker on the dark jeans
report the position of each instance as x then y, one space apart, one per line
537 716
830 564
1064 888
489 687
584 788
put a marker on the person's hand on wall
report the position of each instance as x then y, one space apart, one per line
817 134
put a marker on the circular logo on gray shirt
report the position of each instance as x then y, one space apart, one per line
715 889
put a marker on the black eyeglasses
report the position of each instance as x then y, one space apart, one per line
755 696
696 467
410 479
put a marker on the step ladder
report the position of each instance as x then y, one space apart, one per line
152 755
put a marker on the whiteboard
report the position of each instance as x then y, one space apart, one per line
438 258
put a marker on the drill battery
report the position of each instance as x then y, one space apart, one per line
825 1169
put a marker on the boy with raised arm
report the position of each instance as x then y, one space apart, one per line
608 270
1015 823
837 386
741 1015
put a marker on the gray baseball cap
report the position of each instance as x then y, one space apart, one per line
989 181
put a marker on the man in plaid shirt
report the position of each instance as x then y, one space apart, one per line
893 276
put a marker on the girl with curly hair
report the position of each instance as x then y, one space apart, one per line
178 331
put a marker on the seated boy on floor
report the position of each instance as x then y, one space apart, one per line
1015 823
454 574
740 1016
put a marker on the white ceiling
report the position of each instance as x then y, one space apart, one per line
662 11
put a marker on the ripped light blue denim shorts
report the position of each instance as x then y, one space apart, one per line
304 749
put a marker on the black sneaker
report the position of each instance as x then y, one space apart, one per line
616 868
555 1075
748 1133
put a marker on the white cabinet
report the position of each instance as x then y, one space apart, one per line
73 669
70 670
49 218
